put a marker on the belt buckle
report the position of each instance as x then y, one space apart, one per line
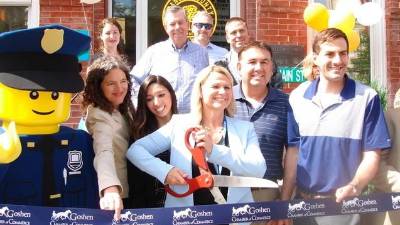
257 188
321 196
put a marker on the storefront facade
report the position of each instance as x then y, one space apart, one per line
277 22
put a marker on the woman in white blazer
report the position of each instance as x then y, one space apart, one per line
211 111
110 113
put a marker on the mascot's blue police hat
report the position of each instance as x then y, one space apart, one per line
43 58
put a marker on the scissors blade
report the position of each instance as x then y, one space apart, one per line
238 181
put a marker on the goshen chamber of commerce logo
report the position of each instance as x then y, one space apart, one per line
70 217
396 202
189 216
11 216
357 205
247 213
137 219
192 7
303 208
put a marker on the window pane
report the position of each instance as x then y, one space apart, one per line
13 17
125 12
156 31
124 8
322 1
223 9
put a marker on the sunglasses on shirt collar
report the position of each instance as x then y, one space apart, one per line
206 26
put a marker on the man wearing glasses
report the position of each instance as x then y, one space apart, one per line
202 25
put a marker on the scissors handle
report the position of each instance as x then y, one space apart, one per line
197 152
205 180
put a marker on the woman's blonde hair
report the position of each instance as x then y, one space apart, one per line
196 101
308 68
396 102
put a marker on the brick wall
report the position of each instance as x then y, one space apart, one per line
393 47
273 21
73 14
278 22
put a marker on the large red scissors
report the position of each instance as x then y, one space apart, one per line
208 180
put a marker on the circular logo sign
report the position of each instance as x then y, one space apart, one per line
192 7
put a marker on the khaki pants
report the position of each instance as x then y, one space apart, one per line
352 219
382 218
386 180
264 195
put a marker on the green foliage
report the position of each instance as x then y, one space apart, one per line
369 189
381 92
360 68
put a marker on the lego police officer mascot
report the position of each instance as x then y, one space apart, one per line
41 162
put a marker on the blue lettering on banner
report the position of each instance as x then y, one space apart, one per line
207 214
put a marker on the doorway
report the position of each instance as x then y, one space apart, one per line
142 20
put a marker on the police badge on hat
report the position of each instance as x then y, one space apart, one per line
75 162
43 58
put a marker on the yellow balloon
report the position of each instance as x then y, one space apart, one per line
342 20
354 40
316 16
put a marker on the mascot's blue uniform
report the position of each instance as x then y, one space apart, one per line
71 162
55 167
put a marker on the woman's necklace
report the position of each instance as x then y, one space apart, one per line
217 133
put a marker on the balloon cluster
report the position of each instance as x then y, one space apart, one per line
318 17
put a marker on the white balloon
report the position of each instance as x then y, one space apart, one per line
347 5
368 13
90 1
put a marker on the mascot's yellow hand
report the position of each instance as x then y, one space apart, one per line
10 145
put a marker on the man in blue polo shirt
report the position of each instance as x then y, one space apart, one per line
337 127
257 101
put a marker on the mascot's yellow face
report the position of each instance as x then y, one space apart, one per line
34 108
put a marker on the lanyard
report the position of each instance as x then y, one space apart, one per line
225 142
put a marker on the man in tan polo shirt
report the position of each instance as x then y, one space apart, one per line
388 177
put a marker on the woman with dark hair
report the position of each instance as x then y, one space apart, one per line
156 104
110 114
112 44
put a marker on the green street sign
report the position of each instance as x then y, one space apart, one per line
291 74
